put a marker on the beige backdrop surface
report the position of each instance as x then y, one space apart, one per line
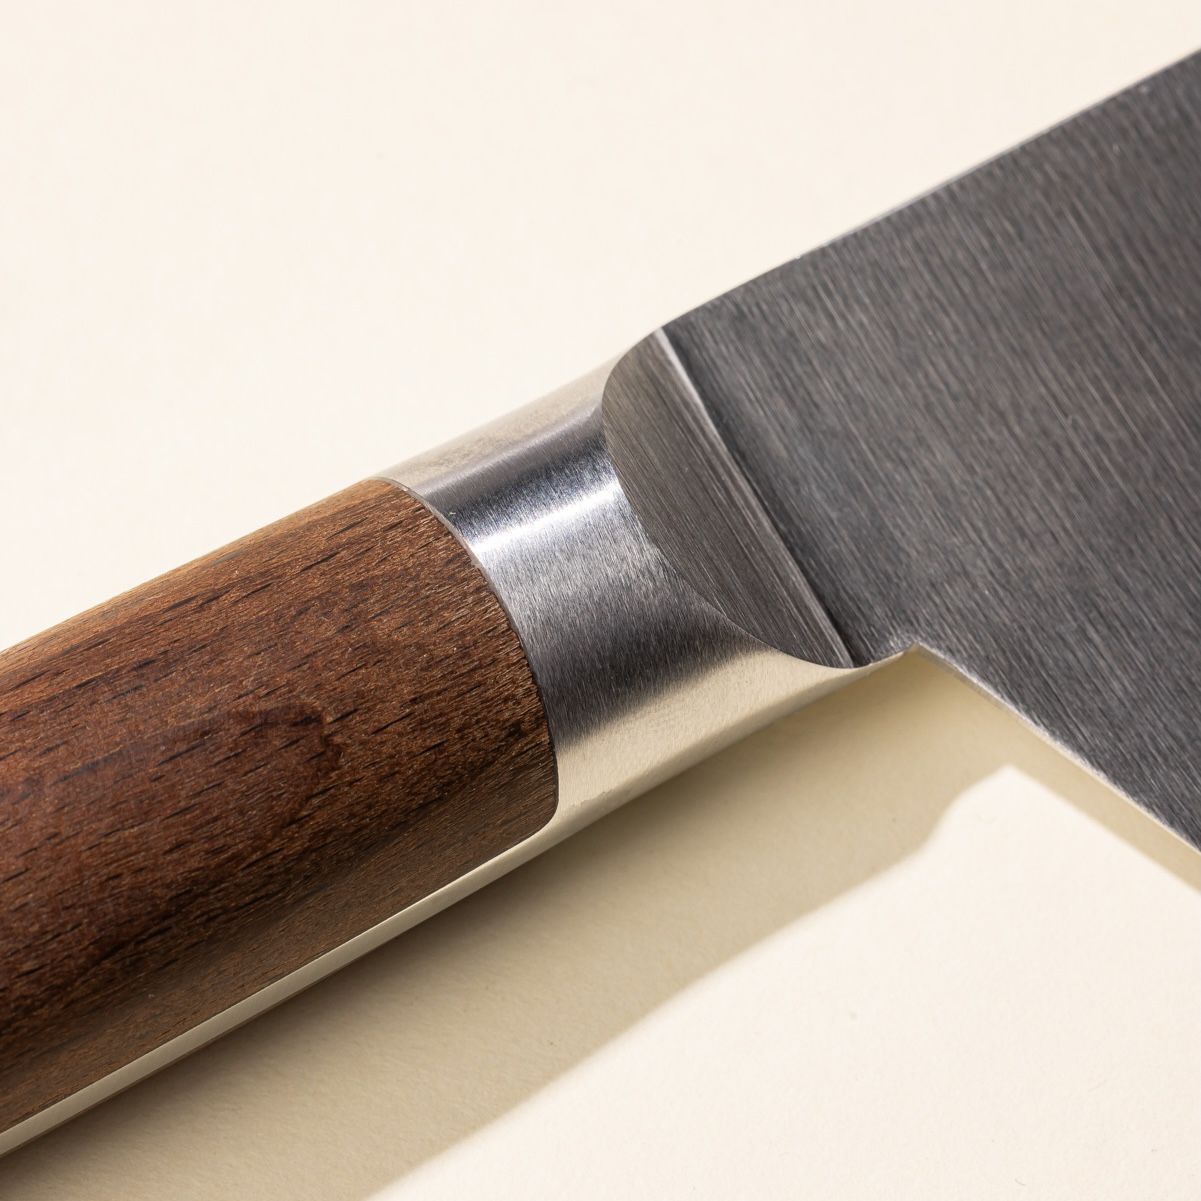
893 946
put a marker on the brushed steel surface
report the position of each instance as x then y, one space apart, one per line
976 427
639 672
710 525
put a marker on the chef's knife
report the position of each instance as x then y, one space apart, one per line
972 427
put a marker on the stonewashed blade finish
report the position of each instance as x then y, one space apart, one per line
976 426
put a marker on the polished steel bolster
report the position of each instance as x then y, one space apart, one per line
640 674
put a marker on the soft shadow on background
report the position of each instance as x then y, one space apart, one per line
371 1073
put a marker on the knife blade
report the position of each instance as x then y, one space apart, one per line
975 425
972 427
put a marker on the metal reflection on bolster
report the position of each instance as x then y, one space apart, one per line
639 674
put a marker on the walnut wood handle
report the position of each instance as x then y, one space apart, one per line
216 778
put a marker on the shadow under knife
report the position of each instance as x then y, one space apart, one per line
356 1082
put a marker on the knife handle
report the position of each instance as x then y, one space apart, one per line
218 777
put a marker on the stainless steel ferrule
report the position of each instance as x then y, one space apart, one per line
640 675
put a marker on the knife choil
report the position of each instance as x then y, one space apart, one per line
973 427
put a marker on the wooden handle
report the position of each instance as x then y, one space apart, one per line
214 779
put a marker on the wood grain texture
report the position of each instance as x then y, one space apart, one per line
216 778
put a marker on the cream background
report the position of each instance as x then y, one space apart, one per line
891 947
